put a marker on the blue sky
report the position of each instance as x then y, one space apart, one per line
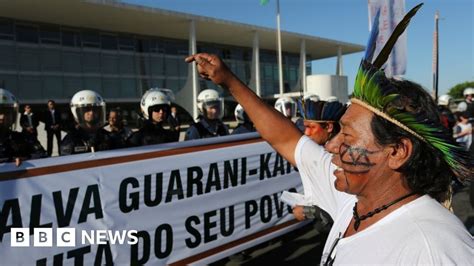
347 20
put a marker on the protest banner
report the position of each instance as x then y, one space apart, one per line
179 203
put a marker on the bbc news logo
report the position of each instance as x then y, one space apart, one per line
66 237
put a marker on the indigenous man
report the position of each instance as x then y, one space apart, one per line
383 176
321 122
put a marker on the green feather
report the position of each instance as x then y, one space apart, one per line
372 87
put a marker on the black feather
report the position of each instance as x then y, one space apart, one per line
332 111
384 54
315 110
371 44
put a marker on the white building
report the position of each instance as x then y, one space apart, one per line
52 48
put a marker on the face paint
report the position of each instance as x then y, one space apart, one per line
318 128
316 131
356 159
360 163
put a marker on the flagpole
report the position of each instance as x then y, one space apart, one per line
435 58
280 64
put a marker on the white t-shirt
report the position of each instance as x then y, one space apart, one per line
420 232
465 140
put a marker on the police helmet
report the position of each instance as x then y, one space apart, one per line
154 99
468 91
240 115
210 98
444 100
85 101
286 106
8 110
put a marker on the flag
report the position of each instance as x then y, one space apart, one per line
263 2
391 12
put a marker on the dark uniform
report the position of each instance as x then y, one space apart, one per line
81 141
15 145
52 126
204 129
151 134
244 128
119 139
174 122
12 145
469 111
36 150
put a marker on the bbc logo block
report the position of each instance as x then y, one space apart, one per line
20 237
43 237
66 237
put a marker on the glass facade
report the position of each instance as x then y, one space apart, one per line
41 62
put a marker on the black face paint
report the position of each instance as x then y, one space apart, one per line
355 159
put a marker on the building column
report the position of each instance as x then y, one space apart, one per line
193 50
187 96
339 71
302 71
255 74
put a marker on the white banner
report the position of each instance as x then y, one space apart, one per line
187 203
391 12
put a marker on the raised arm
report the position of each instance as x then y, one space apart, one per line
278 130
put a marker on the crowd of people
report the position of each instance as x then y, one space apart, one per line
90 131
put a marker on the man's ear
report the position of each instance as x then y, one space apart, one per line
330 127
400 153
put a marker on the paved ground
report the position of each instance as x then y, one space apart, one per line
304 247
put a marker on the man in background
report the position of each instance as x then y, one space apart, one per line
119 134
174 122
52 125
29 122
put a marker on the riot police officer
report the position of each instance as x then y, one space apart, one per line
88 109
287 106
467 106
15 146
245 124
211 111
155 107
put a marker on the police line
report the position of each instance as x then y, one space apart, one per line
179 203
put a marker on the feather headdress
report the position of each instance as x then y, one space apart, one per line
321 111
374 91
